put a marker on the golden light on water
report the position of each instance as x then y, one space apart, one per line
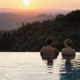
26 2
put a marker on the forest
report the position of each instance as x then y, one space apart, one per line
31 37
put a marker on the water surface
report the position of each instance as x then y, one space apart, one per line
30 66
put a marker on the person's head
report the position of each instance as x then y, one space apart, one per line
68 42
49 41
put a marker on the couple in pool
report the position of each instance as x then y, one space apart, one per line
49 53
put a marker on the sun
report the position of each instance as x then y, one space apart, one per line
26 2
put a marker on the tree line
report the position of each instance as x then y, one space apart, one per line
33 36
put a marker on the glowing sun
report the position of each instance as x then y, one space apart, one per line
26 2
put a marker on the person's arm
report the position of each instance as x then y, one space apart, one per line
57 53
74 53
62 52
41 52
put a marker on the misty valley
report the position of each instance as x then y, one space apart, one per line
32 36
13 19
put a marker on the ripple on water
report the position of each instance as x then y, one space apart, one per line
30 66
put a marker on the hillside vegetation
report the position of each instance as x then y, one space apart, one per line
32 37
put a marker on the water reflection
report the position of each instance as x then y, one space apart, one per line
28 66
49 58
50 69
49 65
70 71
67 73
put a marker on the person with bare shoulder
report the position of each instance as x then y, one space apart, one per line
49 51
68 53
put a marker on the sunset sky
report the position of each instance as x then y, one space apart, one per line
39 4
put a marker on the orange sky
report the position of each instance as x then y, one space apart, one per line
39 4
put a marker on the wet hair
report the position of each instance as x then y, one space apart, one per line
69 42
50 40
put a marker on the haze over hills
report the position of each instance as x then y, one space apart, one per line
14 21
32 37
13 18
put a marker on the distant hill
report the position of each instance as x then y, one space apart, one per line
54 11
14 21
13 18
32 36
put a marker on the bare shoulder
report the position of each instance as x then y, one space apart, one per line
43 47
63 49
74 50
55 49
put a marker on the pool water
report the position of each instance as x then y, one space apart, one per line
30 66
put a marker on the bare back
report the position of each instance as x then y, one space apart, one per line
49 50
68 51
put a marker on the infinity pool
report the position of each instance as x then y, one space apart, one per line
30 66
